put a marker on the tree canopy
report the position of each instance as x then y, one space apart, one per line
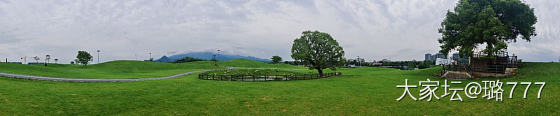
491 22
276 59
317 50
84 57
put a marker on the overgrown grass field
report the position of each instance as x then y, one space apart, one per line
359 91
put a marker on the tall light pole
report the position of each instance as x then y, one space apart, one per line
218 52
98 56
47 58
358 60
22 60
214 57
151 59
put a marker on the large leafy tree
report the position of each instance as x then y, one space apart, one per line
84 57
317 50
491 22
276 59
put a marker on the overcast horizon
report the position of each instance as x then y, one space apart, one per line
129 30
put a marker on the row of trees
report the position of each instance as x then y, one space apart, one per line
47 59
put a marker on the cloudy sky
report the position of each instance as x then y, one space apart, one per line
126 29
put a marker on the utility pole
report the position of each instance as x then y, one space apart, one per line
218 52
47 58
151 59
358 61
214 57
98 56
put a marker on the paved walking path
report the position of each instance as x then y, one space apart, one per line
89 80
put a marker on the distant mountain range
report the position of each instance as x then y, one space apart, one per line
208 56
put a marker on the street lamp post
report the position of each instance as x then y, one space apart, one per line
47 58
214 57
151 59
358 61
98 56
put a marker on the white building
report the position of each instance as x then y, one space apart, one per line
441 61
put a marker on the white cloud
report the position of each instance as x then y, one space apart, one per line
393 29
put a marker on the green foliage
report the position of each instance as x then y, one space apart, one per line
317 50
490 22
276 59
292 62
188 59
84 57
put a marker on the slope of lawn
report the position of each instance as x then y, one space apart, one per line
359 91
124 69
130 69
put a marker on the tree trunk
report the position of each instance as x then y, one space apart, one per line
320 72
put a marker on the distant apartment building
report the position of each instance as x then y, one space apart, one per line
356 62
430 57
459 59
440 58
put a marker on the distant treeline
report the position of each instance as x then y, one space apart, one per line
188 59
410 64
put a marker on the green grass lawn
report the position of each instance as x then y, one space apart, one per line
359 91
126 69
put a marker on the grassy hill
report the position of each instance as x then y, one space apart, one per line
114 69
359 91
128 69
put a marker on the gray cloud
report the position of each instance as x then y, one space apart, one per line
374 29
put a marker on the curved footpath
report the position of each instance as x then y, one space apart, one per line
89 80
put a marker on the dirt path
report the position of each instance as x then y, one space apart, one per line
20 76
